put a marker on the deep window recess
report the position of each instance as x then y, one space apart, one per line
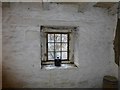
57 42
57 46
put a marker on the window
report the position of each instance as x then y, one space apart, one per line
56 42
57 46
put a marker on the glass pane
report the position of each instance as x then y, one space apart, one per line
57 37
50 55
64 55
57 54
64 46
57 46
50 37
64 37
50 46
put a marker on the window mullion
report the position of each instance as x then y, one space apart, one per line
68 46
47 45
61 47
54 46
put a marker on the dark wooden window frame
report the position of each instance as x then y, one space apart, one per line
57 42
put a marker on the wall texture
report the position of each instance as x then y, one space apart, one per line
21 45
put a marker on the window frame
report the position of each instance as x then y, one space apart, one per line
57 29
60 44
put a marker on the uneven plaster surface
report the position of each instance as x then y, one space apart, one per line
93 43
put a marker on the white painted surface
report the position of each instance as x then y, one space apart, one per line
21 46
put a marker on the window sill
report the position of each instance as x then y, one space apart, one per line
63 66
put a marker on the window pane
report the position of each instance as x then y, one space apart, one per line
50 37
50 46
50 55
64 55
57 37
64 37
64 46
57 46
57 54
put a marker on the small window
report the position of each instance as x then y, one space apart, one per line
56 42
57 46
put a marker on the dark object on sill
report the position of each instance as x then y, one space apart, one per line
57 62
110 82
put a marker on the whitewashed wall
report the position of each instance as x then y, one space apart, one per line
21 46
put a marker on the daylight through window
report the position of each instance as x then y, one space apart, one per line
57 46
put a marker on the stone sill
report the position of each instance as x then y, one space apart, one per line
63 66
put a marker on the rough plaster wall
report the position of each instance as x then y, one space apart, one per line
21 46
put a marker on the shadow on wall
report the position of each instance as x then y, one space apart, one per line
117 43
8 83
8 77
